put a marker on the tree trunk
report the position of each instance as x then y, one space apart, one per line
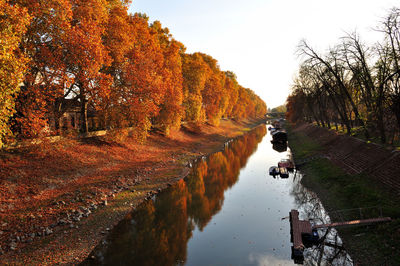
84 122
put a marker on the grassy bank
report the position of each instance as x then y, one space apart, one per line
372 245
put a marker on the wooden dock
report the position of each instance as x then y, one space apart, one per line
303 234
355 222
297 228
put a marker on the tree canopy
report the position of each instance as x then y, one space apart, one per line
352 85
116 66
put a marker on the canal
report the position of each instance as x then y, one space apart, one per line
228 211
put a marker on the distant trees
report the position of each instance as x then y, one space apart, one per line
353 84
93 53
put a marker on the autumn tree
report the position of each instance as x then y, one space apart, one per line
141 89
13 25
232 92
45 77
195 72
87 54
130 73
213 93
171 110
119 39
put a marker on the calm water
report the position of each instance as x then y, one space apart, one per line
228 211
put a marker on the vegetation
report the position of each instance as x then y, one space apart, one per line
339 191
278 109
353 85
129 72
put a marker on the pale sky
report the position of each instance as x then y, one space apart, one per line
257 39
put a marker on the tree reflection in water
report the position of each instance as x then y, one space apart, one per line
330 250
158 231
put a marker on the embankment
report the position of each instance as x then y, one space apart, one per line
59 200
355 156
353 174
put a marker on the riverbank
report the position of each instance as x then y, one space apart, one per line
59 200
345 183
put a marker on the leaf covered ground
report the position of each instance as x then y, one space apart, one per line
58 200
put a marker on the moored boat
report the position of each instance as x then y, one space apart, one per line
283 172
279 146
287 164
279 136
273 170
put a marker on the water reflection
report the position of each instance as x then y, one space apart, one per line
158 232
330 250
229 211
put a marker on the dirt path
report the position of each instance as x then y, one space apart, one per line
59 200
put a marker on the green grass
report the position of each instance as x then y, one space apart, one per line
372 245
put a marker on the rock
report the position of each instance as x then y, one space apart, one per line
62 222
87 213
71 226
32 235
48 231
13 245
104 202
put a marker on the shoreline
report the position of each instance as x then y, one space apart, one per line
338 189
72 224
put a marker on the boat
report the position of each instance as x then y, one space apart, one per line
279 146
273 170
279 136
287 163
276 124
283 172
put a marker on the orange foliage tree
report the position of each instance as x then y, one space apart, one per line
13 23
87 54
141 89
194 71
171 110
130 72
232 92
45 78
213 92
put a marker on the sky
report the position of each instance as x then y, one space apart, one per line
257 39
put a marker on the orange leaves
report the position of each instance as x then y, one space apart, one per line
171 112
13 24
132 73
